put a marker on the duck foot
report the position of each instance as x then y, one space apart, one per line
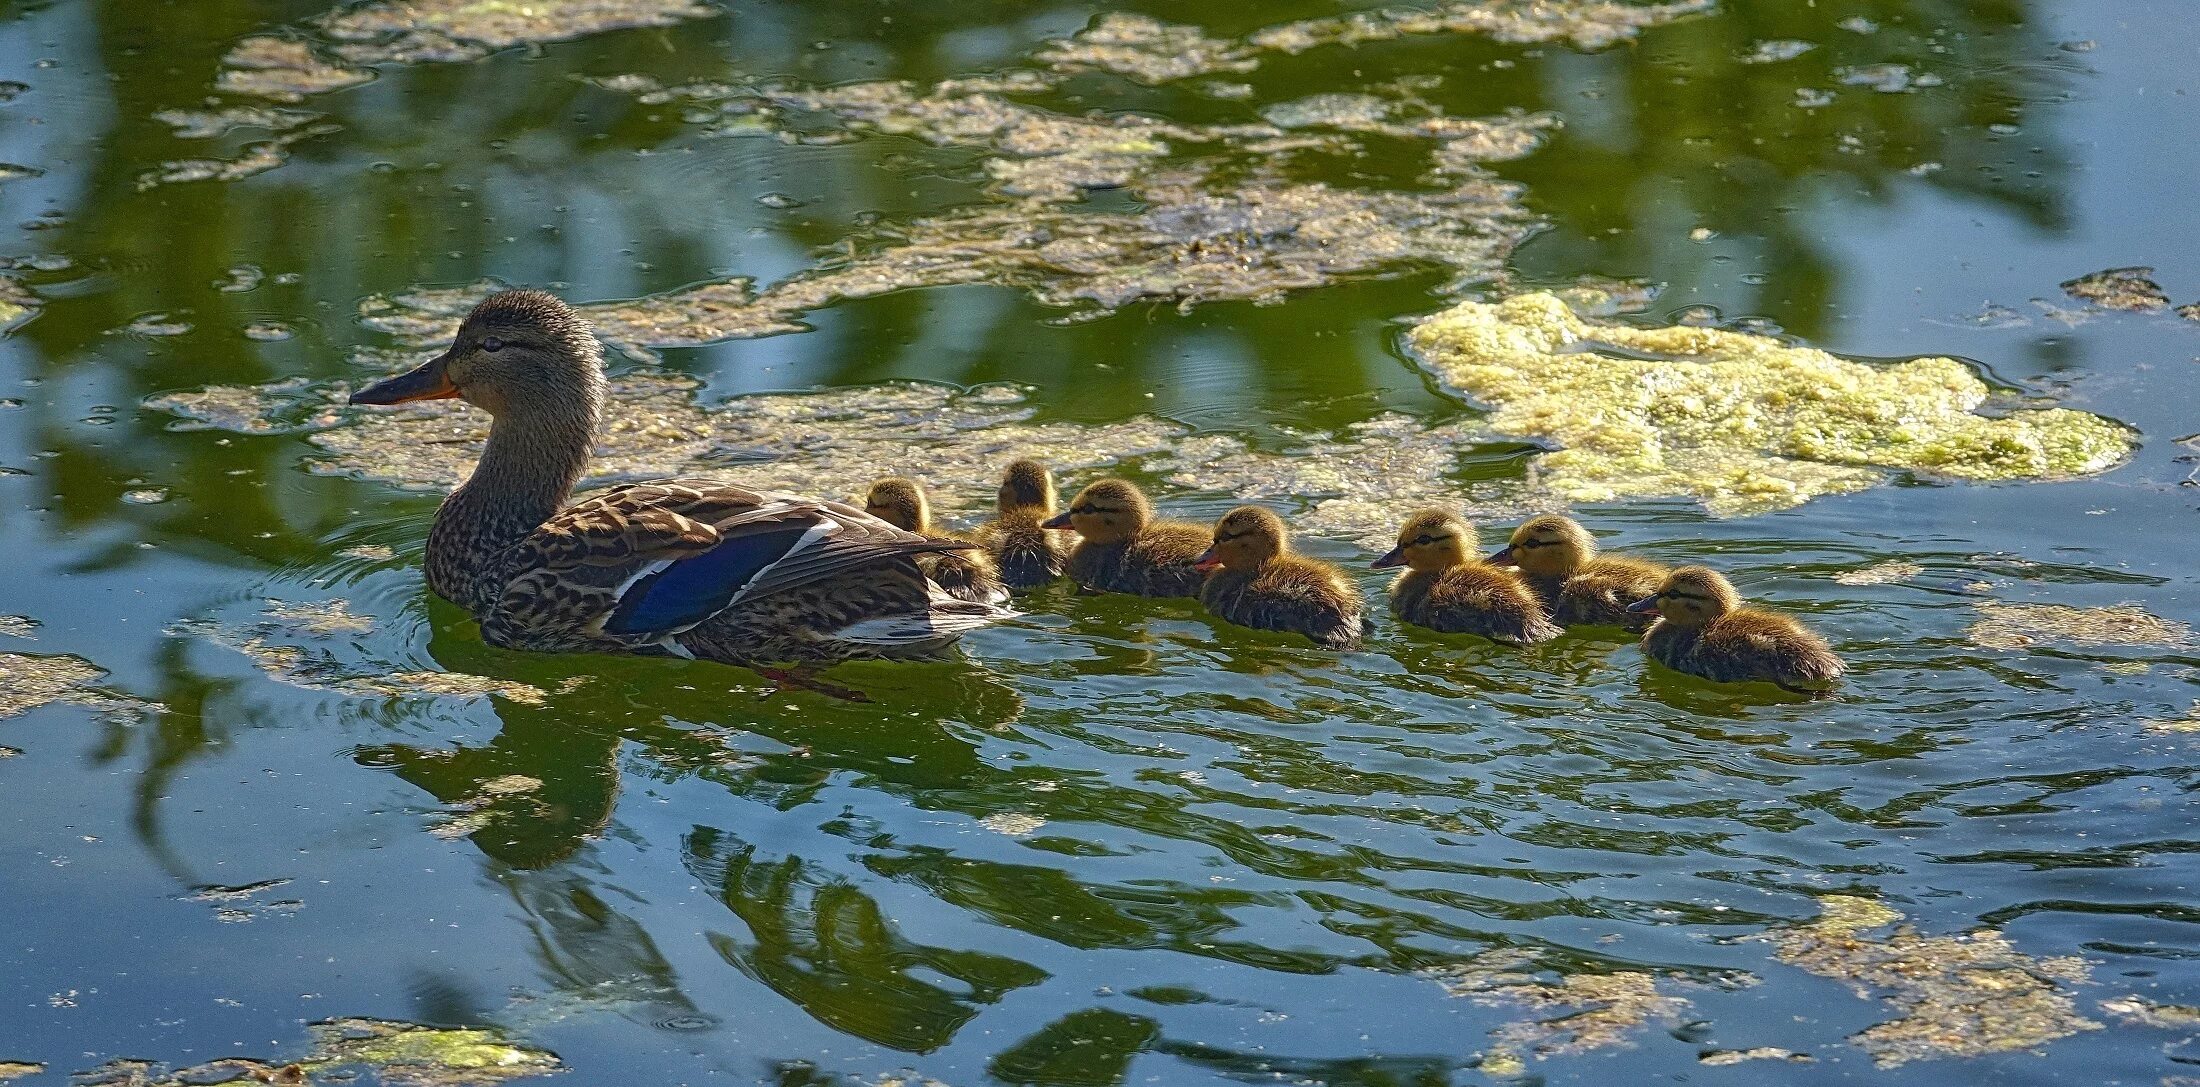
806 679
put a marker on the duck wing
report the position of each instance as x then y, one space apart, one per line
643 563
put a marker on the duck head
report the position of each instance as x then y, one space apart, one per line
1027 485
1432 541
519 353
1690 597
1548 546
901 503
1245 538
1110 511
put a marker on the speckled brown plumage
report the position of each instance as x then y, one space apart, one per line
1558 560
1447 588
1026 554
685 566
1702 629
1122 549
1254 580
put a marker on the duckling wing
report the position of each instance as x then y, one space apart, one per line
645 562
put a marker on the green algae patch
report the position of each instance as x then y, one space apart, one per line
1588 24
18 626
1742 422
1960 996
2002 625
1144 49
34 681
395 1054
404 31
283 70
18 1069
1575 1013
1890 572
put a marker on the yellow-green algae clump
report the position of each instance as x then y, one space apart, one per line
396 1054
2003 625
1960 996
1742 422
34 681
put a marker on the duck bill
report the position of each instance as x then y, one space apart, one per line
1644 606
1059 523
1504 557
1207 562
1396 556
431 380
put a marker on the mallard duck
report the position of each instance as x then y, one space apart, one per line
966 575
1558 559
1702 629
1446 587
1122 549
1254 580
686 567
1027 555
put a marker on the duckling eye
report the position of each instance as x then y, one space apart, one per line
1423 540
492 344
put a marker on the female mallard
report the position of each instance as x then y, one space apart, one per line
688 567
1027 555
1122 549
1559 561
1445 587
966 575
1254 580
1703 629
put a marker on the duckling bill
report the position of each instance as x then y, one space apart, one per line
1701 628
1446 588
1254 580
1122 548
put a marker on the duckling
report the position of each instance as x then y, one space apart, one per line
1254 580
1703 629
1447 589
1122 548
1558 560
1027 555
966 575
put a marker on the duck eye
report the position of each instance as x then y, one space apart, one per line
1423 540
492 344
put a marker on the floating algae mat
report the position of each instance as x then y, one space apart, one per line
1742 422
2004 625
34 681
395 1054
305 645
836 442
1576 1013
1960 996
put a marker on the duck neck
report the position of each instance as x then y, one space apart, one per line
526 473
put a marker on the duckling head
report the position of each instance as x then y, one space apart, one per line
519 354
1245 538
1432 541
1027 485
1691 597
1548 546
1110 511
899 502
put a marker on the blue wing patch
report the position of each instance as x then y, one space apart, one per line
693 589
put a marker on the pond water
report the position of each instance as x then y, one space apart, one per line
254 779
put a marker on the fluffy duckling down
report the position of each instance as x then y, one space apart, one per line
1446 587
1122 548
1254 580
964 575
1702 629
1026 554
1558 560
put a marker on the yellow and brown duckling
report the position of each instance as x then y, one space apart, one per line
1121 547
1254 580
1026 554
1703 629
1446 587
966 575
1558 561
